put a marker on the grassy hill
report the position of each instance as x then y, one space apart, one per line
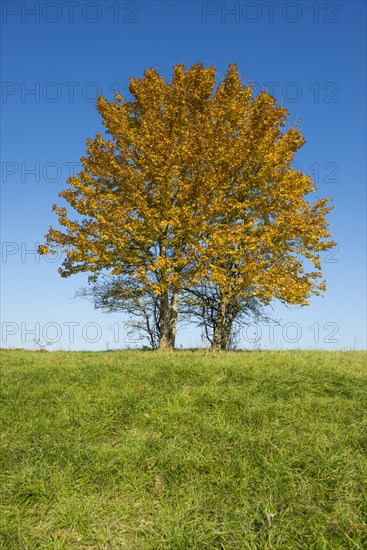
184 450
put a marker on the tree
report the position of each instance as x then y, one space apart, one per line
263 237
205 304
193 190
125 294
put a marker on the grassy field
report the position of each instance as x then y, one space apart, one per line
184 450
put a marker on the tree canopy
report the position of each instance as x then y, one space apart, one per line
190 204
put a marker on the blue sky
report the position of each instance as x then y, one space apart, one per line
56 56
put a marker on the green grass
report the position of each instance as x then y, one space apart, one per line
184 450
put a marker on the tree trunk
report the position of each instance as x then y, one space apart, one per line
220 336
173 319
165 341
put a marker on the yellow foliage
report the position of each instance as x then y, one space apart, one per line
195 185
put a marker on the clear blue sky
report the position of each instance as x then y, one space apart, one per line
311 53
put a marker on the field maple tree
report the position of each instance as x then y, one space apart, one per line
191 199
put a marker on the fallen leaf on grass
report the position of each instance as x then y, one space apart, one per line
158 484
270 517
113 442
146 415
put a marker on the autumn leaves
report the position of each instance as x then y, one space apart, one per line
191 204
